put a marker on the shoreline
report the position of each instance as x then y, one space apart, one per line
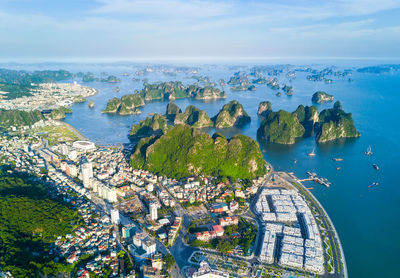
343 259
73 129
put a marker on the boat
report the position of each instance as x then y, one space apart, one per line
310 188
295 161
368 152
337 159
374 184
375 166
338 168
312 153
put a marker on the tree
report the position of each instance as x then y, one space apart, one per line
169 261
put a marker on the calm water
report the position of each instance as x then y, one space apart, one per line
366 219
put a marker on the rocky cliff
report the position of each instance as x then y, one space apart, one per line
193 117
231 114
280 127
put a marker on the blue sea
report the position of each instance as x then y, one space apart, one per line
366 219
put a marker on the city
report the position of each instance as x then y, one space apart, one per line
137 220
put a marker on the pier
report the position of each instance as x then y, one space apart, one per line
313 177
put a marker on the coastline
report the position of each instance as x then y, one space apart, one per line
74 130
343 259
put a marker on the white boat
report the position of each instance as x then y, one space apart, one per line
312 153
368 152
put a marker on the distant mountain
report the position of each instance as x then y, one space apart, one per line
161 91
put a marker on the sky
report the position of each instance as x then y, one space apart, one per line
107 30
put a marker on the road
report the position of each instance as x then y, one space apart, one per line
339 263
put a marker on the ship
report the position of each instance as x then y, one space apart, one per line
337 159
374 184
375 166
368 152
312 153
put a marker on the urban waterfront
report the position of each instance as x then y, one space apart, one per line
364 217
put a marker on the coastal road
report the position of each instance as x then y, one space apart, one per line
338 260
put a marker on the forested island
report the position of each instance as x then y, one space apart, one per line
160 91
193 117
231 114
321 97
283 127
183 151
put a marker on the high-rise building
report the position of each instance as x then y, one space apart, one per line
64 150
87 173
115 216
153 211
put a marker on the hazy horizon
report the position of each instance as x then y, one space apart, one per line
176 30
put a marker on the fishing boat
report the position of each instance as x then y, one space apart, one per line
337 159
375 166
368 152
312 154
374 184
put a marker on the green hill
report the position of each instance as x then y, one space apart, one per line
156 125
334 124
280 127
19 118
172 111
183 151
194 117
231 114
320 97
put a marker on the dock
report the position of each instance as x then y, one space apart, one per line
313 177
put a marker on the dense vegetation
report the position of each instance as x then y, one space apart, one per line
155 125
125 104
194 117
280 127
264 108
172 111
59 113
334 124
231 114
29 222
18 83
162 91
283 127
19 118
320 97
308 117
183 151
